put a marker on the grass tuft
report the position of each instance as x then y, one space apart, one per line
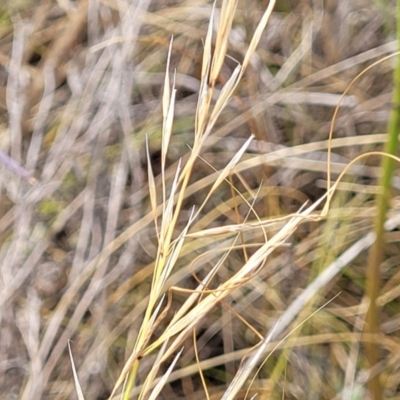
188 200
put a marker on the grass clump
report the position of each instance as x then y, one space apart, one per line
201 170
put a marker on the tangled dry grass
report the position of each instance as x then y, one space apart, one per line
163 199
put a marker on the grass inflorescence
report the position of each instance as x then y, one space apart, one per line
188 200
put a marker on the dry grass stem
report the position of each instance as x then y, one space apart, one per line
187 196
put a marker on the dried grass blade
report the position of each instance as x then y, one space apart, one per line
164 378
78 388
225 26
152 187
223 98
167 217
166 93
167 131
155 314
168 102
207 56
225 172
257 34
204 100
151 376
234 229
175 252
203 106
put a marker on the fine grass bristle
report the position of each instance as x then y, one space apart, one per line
189 195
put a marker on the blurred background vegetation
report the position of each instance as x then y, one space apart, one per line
81 87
